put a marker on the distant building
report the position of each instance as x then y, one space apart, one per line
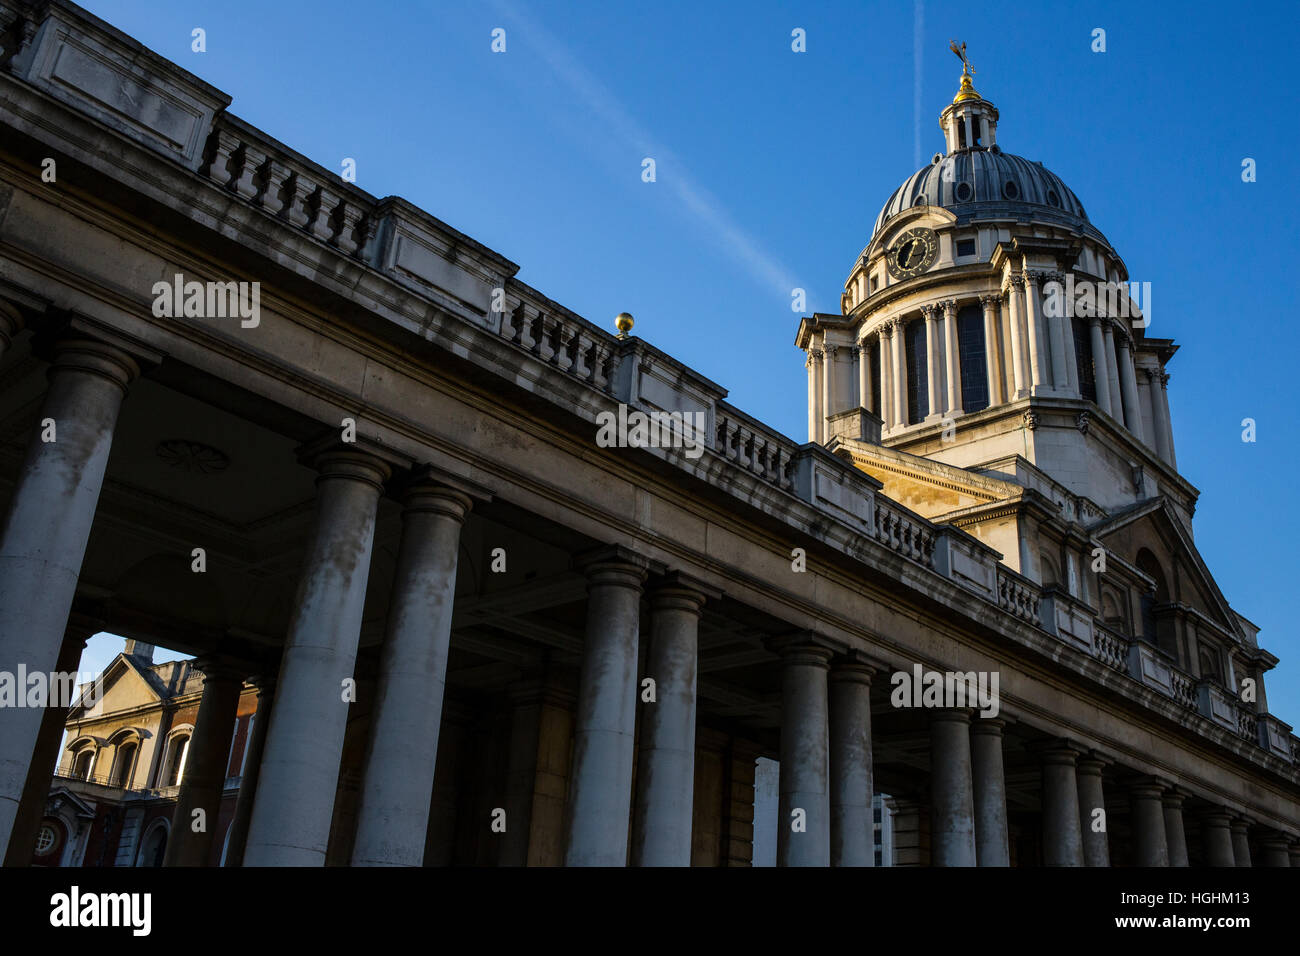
122 764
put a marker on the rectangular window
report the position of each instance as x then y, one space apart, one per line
965 247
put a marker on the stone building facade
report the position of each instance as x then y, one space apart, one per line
482 637
123 764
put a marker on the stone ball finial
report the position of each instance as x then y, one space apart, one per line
623 322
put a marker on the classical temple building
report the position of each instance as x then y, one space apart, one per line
331 446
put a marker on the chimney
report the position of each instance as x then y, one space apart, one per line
140 651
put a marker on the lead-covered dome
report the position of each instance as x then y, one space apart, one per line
986 182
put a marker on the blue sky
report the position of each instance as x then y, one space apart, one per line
772 166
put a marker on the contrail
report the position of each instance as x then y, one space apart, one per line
695 199
918 29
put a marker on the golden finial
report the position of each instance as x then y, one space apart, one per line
967 91
623 322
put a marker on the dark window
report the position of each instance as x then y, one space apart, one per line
1011 190
965 247
964 192
918 379
961 132
1083 359
974 370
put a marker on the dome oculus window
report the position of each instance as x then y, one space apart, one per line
1010 190
1052 198
964 192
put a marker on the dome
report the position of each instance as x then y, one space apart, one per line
987 183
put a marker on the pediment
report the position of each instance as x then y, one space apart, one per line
1153 525
932 489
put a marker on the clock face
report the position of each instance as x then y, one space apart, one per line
912 253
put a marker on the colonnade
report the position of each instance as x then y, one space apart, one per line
1026 353
286 807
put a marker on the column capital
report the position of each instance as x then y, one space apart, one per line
930 310
1092 763
1059 751
852 668
990 302
803 648
613 564
1017 282
681 592
434 498
949 307
988 725
1174 798
216 668
81 353
1148 786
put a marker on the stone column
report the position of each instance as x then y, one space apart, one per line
811 365
992 356
1240 841
397 785
194 820
899 372
665 777
864 378
1164 415
952 805
1155 388
952 355
1112 371
1062 840
803 839
304 744
46 530
1273 851
829 404
1096 844
1019 343
237 836
883 352
601 793
45 755
1129 389
1175 837
1216 829
1100 366
1071 385
852 827
991 843
1033 322
1150 847
933 351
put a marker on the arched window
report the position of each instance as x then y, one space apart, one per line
174 769
124 764
1147 564
1208 658
1083 359
82 762
974 369
154 845
918 373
